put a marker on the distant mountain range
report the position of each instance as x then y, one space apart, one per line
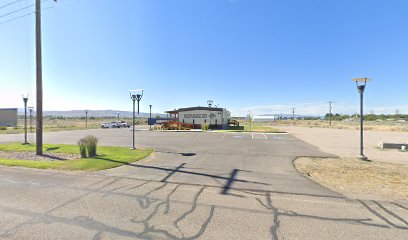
288 116
94 113
114 113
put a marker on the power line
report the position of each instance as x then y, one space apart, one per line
16 18
19 10
16 11
23 16
9 4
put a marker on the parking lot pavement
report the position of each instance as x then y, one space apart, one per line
38 204
345 142
199 185
255 161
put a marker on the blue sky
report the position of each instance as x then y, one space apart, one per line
261 55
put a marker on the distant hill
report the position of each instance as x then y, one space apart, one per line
94 113
288 116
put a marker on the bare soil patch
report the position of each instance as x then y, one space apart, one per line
31 156
356 178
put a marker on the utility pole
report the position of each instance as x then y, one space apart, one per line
330 112
39 90
39 85
293 114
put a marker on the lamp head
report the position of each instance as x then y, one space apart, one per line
361 83
210 103
136 94
25 97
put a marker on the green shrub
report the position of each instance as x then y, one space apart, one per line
3 128
91 144
82 147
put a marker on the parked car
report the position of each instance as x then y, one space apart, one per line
124 124
111 125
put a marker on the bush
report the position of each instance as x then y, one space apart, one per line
205 127
82 147
3 128
91 143
87 146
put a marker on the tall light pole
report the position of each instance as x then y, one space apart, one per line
118 116
25 100
135 95
330 112
293 113
150 105
86 118
31 118
361 84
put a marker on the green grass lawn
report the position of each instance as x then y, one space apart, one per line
108 157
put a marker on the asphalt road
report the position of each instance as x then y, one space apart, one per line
195 186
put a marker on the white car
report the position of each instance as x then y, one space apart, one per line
110 125
123 124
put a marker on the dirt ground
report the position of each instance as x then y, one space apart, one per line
399 126
358 179
385 178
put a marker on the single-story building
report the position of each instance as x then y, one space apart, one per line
8 117
213 116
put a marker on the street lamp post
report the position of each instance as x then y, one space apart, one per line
361 84
118 116
135 95
86 118
150 116
25 100
31 109
250 120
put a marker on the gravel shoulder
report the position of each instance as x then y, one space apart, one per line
358 179
31 156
